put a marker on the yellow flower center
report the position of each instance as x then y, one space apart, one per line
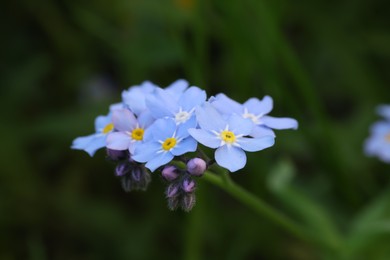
387 138
228 136
169 143
108 128
137 134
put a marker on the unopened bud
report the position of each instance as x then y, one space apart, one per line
173 203
172 190
116 155
196 166
170 173
122 168
188 185
188 201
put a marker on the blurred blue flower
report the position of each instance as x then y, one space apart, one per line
134 98
228 136
172 104
163 140
130 130
91 143
378 143
257 111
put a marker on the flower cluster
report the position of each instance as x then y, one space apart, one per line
152 127
378 143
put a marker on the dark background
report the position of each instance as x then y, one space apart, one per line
325 63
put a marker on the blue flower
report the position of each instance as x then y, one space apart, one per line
134 98
178 106
130 130
384 110
378 143
228 136
257 111
162 141
91 143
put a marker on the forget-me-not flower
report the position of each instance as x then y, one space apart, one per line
91 143
378 144
164 140
134 98
228 136
256 110
179 107
130 130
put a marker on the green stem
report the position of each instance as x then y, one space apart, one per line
262 208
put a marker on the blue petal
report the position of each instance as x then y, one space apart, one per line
256 144
226 105
384 154
209 118
162 104
372 145
177 88
182 129
239 125
89 143
118 141
191 98
230 157
384 110
280 123
163 128
382 127
146 151
135 97
101 122
145 119
259 107
124 120
204 137
184 146
261 131
159 160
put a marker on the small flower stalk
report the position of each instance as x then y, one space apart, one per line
154 129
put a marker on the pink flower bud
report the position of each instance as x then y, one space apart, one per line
170 173
196 166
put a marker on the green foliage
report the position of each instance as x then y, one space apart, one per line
324 63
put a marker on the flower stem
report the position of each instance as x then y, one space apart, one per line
259 206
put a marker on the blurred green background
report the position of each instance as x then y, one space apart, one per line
325 63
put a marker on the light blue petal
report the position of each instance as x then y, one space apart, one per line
384 110
163 128
118 141
182 129
145 119
135 97
161 104
191 98
384 154
261 131
89 143
80 143
280 123
124 120
230 157
209 118
204 137
117 106
184 146
259 107
372 145
146 151
177 87
101 122
382 127
133 145
159 160
239 125
256 144
226 105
